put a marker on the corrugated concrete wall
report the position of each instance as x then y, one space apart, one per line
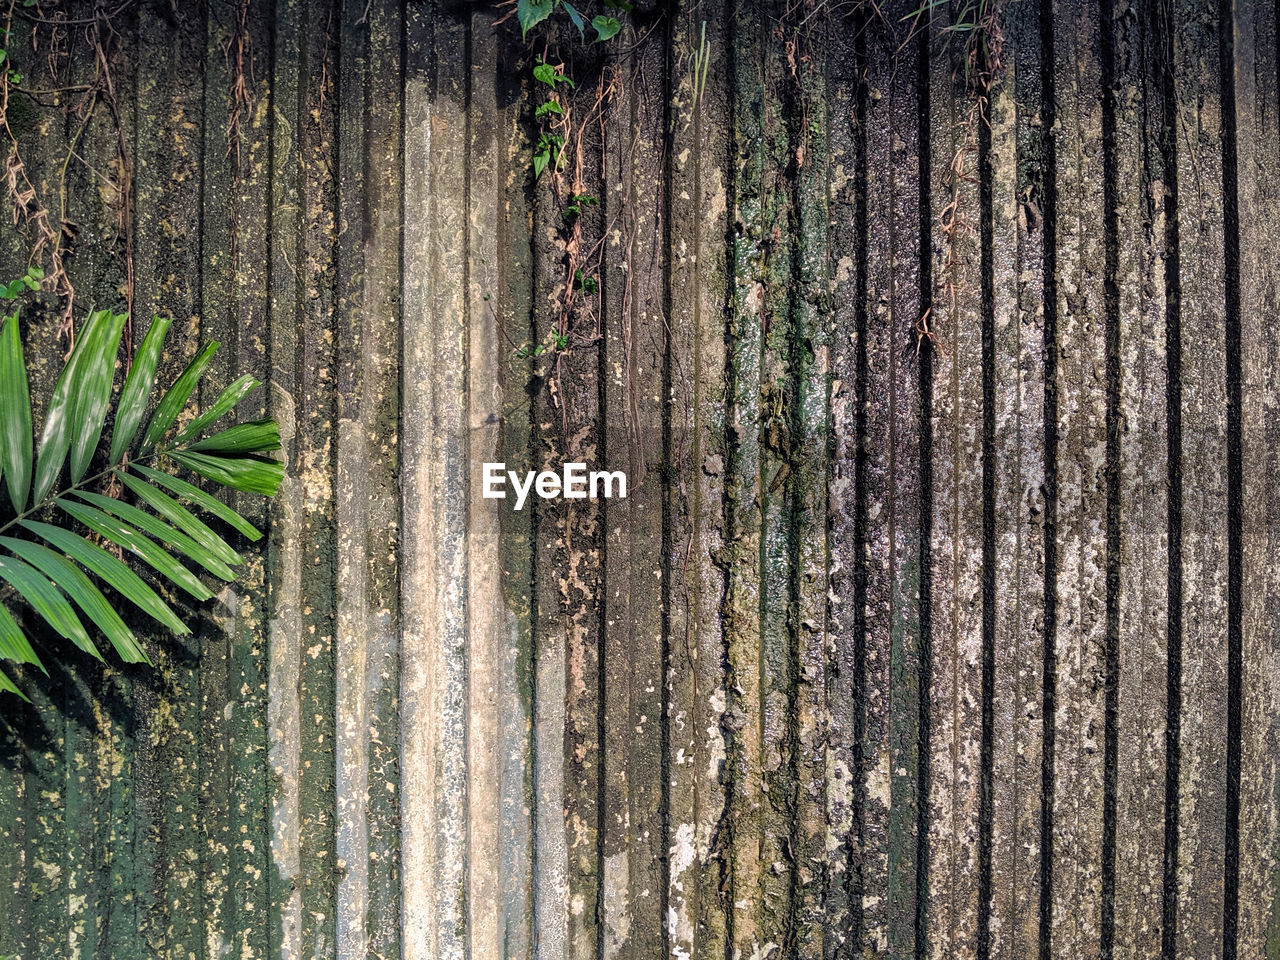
945 644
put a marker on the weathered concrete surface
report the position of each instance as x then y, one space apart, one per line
940 619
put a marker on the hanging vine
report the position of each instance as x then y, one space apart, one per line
52 232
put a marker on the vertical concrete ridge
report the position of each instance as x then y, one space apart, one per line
435 655
1019 176
1082 487
747 933
368 508
1253 505
695 453
633 835
1140 491
959 566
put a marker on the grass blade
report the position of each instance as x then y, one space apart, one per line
155 527
201 499
248 474
15 415
176 398
180 517
97 561
228 399
76 585
145 549
45 599
137 388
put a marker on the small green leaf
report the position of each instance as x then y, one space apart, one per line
15 415
532 12
113 571
247 474
142 547
540 160
578 22
544 73
193 494
229 397
254 436
606 27
137 388
176 398
550 106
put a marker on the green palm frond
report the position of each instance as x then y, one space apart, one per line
65 522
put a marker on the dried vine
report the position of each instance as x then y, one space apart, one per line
56 237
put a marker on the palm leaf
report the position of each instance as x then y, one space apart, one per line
182 518
51 561
193 494
92 392
137 388
8 686
14 644
176 398
73 582
77 398
248 474
15 415
257 436
46 599
153 526
111 571
228 399
127 538
54 559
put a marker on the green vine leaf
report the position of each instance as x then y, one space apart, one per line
533 12
578 22
544 73
605 27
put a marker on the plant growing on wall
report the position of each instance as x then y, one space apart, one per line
66 526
